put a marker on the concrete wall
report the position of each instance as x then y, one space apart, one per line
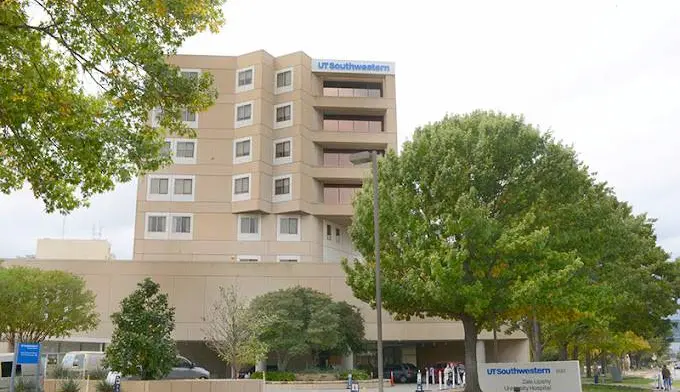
73 249
193 287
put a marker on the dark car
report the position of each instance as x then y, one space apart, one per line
402 372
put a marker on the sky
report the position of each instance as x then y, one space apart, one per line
602 76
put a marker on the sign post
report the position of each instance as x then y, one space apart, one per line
25 354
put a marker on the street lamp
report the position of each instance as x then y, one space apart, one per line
358 159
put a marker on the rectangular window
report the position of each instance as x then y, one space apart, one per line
244 112
188 116
190 74
284 79
283 149
337 235
181 224
282 186
156 224
159 186
183 186
242 148
283 113
329 232
249 225
167 147
248 259
288 226
185 149
288 259
242 185
245 77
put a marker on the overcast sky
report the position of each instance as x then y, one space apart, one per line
602 75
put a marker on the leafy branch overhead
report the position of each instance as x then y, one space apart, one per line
66 143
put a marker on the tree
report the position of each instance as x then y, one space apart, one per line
231 331
300 321
69 144
462 222
43 304
141 344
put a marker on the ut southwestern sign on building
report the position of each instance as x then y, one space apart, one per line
350 66
562 376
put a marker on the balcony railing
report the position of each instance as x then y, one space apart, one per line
351 92
338 195
352 126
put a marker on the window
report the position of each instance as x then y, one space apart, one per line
329 232
156 224
337 235
190 117
191 73
248 259
245 79
158 186
185 149
283 115
181 224
242 148
164 226
283 151
288 258
284 81
184 186
282 188
288 228
167 147
170 188
248 228
241 187
244 114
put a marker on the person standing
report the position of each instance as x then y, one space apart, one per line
666 375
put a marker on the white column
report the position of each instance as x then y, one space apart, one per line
348 361
261 366
481 352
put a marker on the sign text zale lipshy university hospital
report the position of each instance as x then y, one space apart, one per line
349 66
562 376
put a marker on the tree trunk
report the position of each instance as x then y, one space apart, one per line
603 361
281 362
536 339
471 374
234 371
564 354
574 354
589 363
495 341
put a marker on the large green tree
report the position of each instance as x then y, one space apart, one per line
40 304
141 343
68 143
301 321
462 222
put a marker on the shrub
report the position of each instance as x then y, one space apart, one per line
59 373
357 374
98 374
316 376
69 385
21 385
275 376
103 386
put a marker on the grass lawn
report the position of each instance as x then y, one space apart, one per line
628 384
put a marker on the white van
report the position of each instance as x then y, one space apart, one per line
26 371
82 361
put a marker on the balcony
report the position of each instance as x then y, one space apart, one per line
339 195
338 125
350 89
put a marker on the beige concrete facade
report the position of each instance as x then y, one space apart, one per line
324 116
70 249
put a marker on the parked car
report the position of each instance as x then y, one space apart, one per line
402 372
184 369
6 361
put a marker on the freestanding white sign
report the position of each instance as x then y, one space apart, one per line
562 376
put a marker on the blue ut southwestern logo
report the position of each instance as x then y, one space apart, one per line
377 67
514 370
